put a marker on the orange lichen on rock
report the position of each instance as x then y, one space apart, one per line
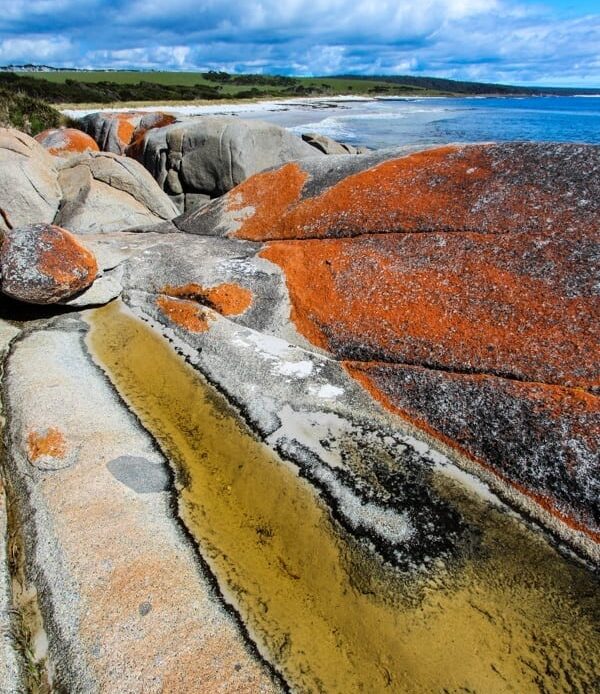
148 122
65 259
184 313
44 264
548 433
126 127
484 188
59 141
133 125
228 299
51 443
261 202
464 302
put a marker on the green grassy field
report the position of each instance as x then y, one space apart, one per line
326 85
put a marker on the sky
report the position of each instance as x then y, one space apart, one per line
556 42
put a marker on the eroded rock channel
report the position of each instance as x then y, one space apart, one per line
334 430
501 611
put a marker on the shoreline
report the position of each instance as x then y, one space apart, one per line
217 106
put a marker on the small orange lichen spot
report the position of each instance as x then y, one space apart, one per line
228 299
185 313
51 442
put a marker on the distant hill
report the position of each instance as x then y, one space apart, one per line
58 86
475 88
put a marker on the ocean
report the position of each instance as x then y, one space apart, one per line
378 123
388 122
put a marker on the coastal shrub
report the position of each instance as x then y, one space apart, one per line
27 113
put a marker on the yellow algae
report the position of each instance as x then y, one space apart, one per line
514 616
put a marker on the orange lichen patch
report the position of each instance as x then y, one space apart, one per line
549 433
148 122
228 299
51 442
126 125
465 302
185 313
59 141
471 188
65 260
268 195
125 128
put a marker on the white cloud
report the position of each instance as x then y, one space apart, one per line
490 40
34 49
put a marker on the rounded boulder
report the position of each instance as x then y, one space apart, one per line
65 141
44 264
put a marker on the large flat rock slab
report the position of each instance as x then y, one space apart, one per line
493 188
126 604
475 264
10 662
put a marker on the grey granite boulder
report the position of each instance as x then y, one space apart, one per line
327 145
44 264
29 190
113 131
104 192
210 155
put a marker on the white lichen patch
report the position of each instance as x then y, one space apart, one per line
327 391
311 430
285 358
298 369
392 526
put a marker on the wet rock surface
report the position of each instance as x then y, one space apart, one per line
44 264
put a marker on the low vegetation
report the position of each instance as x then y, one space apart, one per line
25 96
108 87
27 113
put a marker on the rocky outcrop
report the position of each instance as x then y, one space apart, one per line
88 192
212 154
328 146
29 189
115 131
480 188
463 297
65 141
124 603
334 429
105 192
44 264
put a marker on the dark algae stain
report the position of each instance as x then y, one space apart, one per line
512 615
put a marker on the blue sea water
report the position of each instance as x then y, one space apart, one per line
385 123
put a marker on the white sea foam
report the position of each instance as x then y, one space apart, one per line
334 127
